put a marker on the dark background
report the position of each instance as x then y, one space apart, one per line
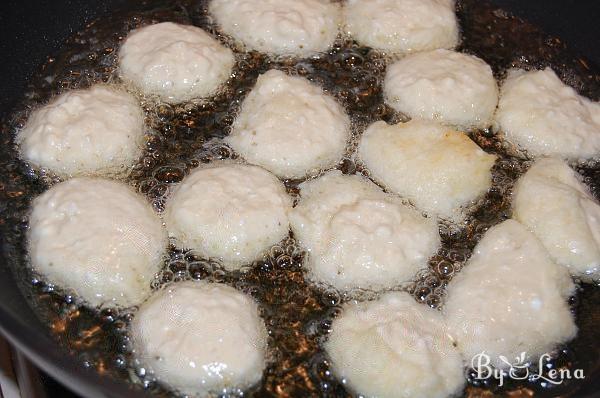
574 21
30 30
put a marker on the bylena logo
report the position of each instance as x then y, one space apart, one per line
520 369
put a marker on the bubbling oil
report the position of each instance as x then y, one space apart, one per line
298 314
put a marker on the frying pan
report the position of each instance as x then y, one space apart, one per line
33 29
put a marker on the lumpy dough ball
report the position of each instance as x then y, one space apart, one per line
289 126
177 63
440 170
447 86
98 238
551 200
229 211
402 26
358 236
509 298
394 347
545 117
199 337
285 27
84 132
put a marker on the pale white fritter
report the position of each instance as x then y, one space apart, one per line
552 202
394 347
287 27
509 298
402 26
95 131
289 126
438 169
199 337
175 62
451 87
98 238
229 211
358 236
545 117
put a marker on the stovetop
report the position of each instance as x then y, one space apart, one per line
19 378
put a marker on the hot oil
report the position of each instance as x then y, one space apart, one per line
298 314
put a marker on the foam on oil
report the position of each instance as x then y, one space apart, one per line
298 313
